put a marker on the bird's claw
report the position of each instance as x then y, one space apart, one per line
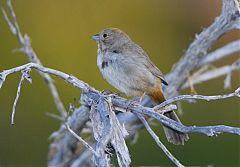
133 103
110 93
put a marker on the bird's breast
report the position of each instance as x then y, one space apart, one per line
112 68
109 67
125 74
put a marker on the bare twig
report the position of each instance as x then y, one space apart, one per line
207 130
64 141
54 116
212 74
229 49
69 78
31 55
25 75
81 140
159 143
198 97
227 80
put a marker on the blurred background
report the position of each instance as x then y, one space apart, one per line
60 31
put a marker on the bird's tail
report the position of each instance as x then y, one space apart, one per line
172 135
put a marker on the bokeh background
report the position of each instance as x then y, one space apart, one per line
60 31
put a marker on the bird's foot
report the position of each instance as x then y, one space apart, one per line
141 98
132 103
110 93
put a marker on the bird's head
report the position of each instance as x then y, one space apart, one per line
111 38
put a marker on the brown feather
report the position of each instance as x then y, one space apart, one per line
172 135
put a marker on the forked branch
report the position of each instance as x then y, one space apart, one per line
27 49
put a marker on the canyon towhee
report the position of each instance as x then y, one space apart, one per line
127 67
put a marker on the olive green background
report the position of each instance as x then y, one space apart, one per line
60 31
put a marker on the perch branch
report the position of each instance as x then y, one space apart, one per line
69 78
31 54
93 95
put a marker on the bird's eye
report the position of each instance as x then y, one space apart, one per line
105 35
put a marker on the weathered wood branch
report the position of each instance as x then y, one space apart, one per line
27 49
81 140
227 50
159 143
110 130
214 73
196 52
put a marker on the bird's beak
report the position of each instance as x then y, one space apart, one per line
96 37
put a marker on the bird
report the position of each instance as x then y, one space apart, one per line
128 68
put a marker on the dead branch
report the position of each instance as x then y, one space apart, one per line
106 127
81 140
25 75
197 97
212 74
227 50
27 49
196 52
159 143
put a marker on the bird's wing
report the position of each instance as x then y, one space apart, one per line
156 72
149 64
